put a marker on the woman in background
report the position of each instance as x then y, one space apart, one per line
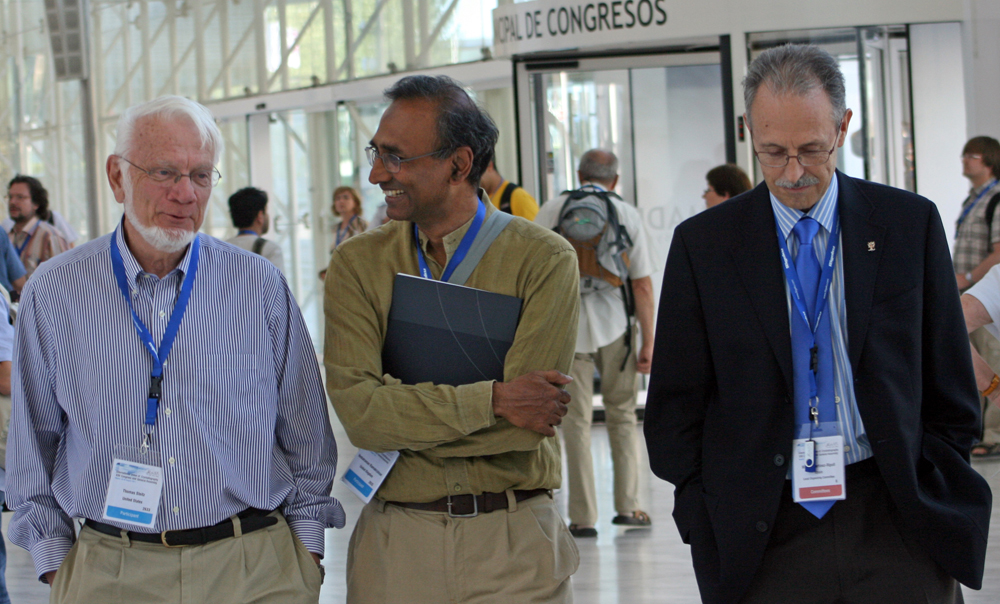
347 205
725 181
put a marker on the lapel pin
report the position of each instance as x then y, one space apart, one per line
871 246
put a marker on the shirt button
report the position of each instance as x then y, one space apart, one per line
847 448
836 399
779 460
171 460
458 487
177 510
761 525
167 411
163 314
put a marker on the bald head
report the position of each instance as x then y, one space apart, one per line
600 166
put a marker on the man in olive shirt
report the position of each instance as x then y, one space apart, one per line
469 498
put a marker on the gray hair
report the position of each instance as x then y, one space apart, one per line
598 164
169 107
796 69
460 121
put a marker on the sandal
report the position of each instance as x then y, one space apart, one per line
577 531
986 450
638 518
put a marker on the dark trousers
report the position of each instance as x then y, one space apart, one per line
853 555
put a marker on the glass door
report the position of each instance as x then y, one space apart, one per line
662 115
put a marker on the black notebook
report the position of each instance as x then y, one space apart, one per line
447 334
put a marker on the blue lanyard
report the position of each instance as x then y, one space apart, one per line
159 356
248 232
825 285
968 208
460 253
20 248
343 235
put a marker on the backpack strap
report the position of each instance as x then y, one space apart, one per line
258 245
493 226
991 209
505 198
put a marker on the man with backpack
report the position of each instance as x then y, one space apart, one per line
615 285
248 209
507 196
977 249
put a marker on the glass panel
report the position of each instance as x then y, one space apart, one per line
583 111
682 137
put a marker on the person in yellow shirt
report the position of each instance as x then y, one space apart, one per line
507 196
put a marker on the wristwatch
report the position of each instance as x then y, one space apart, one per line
968 277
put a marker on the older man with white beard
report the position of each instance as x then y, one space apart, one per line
167 402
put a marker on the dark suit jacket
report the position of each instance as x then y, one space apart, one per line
718 420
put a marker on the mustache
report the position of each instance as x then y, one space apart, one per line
807 180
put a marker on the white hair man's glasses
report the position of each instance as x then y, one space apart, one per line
204 177
391 162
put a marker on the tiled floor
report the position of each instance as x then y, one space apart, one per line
617 567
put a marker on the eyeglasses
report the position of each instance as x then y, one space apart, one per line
972 156
391 162
203 177
805 158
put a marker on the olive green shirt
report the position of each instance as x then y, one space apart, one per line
449 441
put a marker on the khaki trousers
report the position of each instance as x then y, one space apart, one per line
618 388
989 348
520 555
267 566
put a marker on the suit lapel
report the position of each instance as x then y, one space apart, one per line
759 265
862 251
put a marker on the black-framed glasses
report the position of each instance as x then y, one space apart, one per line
805 158
392 162
204 177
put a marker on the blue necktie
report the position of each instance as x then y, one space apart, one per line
807 381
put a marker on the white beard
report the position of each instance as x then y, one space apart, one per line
168 241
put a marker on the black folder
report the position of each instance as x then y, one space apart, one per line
447 334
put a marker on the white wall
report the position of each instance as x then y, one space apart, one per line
981 38
939 116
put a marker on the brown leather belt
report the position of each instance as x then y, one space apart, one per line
467 506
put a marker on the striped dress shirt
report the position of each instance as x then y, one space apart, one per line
856 446
242 421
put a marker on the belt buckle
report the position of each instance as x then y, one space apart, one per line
475 509
163 540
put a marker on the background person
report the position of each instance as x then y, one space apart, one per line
35 239
606 340
248 209
977 250
725 181
507 196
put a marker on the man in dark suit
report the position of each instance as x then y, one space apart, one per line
748 387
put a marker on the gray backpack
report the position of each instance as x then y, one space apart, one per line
589 221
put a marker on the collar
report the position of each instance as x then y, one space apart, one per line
823 212
28 228
132 267
989 184
592 185
454 238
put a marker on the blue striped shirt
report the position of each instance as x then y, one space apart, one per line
242 421
856 446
